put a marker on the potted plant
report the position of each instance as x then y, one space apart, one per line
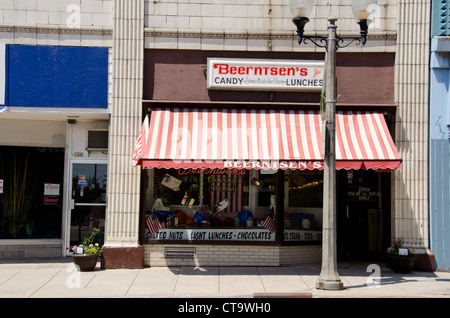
400 259
85 255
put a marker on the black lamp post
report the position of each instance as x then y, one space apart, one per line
329 278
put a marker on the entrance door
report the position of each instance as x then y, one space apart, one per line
87 201
363 214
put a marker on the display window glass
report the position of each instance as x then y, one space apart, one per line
304 202
305 188
31 192
217 204
205 204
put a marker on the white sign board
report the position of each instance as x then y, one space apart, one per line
171 182
259 74
1 186
51 188
403 251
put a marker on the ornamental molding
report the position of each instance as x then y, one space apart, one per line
173 34
56 30
245 36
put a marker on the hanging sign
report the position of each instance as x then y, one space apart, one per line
259 74
82 181
51 193
1 186
51 188
171 182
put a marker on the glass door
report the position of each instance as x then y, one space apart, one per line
88 201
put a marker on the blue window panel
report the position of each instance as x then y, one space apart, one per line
57 76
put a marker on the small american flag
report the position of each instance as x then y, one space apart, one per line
153 224
269 224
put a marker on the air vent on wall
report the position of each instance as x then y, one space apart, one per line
179 252
97 140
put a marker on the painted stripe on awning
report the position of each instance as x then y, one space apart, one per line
201 138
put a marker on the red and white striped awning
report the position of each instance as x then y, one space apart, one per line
261 139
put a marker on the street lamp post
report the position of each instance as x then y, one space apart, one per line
329 277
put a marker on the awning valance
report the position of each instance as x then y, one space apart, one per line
261 139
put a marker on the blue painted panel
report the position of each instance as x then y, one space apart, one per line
57 76
439 201
439 158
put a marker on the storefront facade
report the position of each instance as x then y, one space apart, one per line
53 147
168 76
219 164
158 61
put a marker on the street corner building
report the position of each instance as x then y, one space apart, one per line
192 133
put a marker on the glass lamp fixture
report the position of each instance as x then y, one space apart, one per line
301 9
362 10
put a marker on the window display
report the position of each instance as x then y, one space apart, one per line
219 204
306 188
31 192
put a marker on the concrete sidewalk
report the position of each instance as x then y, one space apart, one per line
58 278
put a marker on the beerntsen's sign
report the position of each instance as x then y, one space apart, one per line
259 74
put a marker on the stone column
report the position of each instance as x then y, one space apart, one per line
410 215
122 248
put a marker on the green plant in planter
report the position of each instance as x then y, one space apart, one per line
393 250
399 262
88 246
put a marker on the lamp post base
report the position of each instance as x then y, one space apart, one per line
329 285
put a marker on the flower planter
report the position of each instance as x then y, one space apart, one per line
85 262
400 264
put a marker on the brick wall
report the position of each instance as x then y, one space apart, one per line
235 255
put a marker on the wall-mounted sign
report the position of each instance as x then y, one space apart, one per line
259 74
54 76
1 186
274 164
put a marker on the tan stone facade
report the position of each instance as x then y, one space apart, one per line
130 28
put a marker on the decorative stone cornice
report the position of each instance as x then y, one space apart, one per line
169 34
245 36
55 30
